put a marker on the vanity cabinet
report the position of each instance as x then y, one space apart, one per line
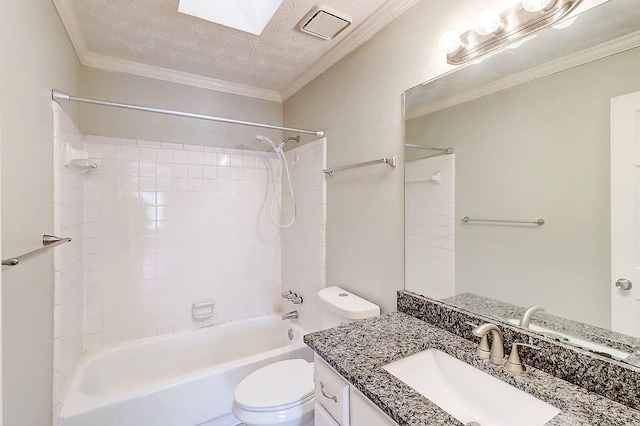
340 404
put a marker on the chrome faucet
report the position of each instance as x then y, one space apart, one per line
290 315
497 344
526 317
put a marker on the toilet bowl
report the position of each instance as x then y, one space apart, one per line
281 394
278 394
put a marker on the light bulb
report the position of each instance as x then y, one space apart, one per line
537 5
450 42
488 22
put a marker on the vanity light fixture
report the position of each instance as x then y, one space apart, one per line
450 42
488 22
537 5
493 31
564 24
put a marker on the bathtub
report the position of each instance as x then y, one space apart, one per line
182 379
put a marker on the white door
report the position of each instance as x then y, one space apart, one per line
625 214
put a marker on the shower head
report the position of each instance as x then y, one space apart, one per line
269 141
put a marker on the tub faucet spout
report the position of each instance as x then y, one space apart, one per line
290 315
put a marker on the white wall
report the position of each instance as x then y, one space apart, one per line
429 226
358 102
131 89
304 242
170 224
36 57
68 219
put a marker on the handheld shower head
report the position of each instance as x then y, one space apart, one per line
266 139
278 192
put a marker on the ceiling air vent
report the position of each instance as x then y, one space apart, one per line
324 22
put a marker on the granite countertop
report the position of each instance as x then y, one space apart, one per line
503 311
359 350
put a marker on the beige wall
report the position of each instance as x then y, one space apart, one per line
537 150
126 88
36 56
359 103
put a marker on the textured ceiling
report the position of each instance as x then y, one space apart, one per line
152 32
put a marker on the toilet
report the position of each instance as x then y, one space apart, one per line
282 393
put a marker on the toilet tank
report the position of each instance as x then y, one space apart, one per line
338 306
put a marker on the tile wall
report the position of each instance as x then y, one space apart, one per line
68 281
304 243
429 226
170 224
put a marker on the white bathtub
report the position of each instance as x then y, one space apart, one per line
183 379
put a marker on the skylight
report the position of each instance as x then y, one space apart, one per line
250 16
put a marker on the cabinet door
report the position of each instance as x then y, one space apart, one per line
332 392
322 418
365 413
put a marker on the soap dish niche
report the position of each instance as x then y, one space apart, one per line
77 159
202 309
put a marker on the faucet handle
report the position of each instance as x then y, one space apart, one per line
514 362
484 350
292 297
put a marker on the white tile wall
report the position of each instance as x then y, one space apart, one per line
429 226
169 224
68 283
304 243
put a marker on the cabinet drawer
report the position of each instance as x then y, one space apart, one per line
321 417
332 392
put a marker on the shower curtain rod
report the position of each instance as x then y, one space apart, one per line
58 96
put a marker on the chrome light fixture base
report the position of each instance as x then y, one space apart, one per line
518 24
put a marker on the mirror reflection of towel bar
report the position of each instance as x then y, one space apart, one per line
430 148
538 222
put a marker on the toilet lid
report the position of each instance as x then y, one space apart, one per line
277 385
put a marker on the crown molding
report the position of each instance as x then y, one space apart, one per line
398 7
71 24
380 18
591 54
91 59
383 16
130 67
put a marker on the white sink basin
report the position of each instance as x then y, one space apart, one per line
469 394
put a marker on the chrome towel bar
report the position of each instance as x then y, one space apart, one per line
391 161
538 222
429 148
48 241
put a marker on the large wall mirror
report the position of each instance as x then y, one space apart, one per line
529 138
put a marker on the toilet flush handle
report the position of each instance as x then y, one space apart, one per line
333 398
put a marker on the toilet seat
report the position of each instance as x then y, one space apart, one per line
278 386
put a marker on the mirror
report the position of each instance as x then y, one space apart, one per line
529 128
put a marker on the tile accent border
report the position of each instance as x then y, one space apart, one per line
611 379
